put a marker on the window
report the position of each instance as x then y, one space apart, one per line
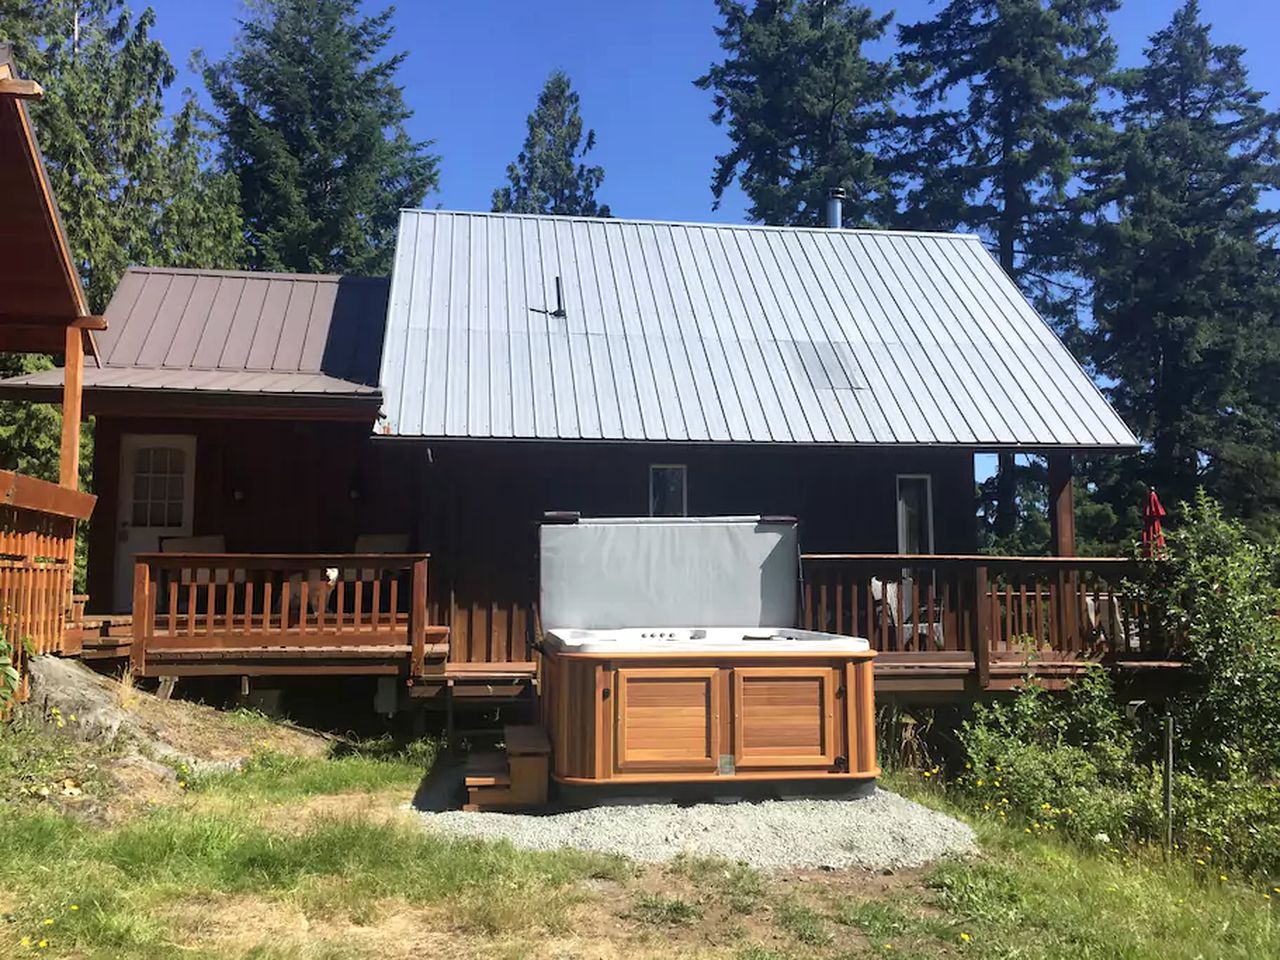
915 513
159 475
668 490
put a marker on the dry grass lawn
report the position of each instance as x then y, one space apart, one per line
303 856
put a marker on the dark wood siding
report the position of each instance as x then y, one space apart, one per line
315 486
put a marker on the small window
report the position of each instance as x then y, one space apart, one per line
668 490
915 514
158 482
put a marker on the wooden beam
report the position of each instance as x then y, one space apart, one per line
30 321
1062 512
22 89
72 393
23 321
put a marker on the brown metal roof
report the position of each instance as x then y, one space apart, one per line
240 333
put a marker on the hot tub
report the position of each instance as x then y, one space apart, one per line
690 705
633 698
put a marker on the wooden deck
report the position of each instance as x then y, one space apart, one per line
972 623
283 614
940 624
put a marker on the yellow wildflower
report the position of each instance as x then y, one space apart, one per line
48 921
964 937
1199 861
1222 877
24 942
42 944
74 906
979 781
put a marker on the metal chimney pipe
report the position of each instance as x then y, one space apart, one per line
835 207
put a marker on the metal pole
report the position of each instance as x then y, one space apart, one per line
1168 782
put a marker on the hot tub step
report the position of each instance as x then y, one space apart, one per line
487 770
514 778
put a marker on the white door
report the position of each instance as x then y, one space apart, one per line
157 490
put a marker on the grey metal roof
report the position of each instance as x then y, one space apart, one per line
237 332
706 332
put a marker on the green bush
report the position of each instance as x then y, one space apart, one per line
1057 763
1213 599
1071 764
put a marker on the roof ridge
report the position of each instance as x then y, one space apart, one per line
874 231
256 274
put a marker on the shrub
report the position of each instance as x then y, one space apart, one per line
1057 763
1214 599
1070 764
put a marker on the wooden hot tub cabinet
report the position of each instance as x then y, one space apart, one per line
687 718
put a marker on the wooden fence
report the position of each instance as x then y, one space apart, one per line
1064 608
281 613
37 559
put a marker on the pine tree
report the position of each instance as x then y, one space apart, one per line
550 175
1185 279
313 128
1008 111
806 109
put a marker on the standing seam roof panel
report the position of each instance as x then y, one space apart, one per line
721 333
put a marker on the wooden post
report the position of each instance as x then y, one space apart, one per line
982 628
72 387
142 619
418 619
1062 527
1062 514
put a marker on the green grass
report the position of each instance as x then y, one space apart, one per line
330 867
737 885
35 761
113 892
803 923
666 911
368 766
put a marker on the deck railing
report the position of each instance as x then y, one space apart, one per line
189 606
1067 608
37 559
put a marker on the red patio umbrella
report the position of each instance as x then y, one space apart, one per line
1152 534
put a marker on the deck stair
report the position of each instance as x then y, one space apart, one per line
512 778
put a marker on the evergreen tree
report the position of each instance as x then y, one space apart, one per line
1186 291
313 128
550 175
806 109
1008 110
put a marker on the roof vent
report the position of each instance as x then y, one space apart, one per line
835 207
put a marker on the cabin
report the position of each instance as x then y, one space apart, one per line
338 475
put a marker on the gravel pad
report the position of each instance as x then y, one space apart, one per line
881 831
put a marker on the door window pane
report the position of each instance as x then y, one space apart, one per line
668 490
915 520
159 483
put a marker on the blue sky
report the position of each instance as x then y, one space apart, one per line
474 69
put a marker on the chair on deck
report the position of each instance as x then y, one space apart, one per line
921 628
